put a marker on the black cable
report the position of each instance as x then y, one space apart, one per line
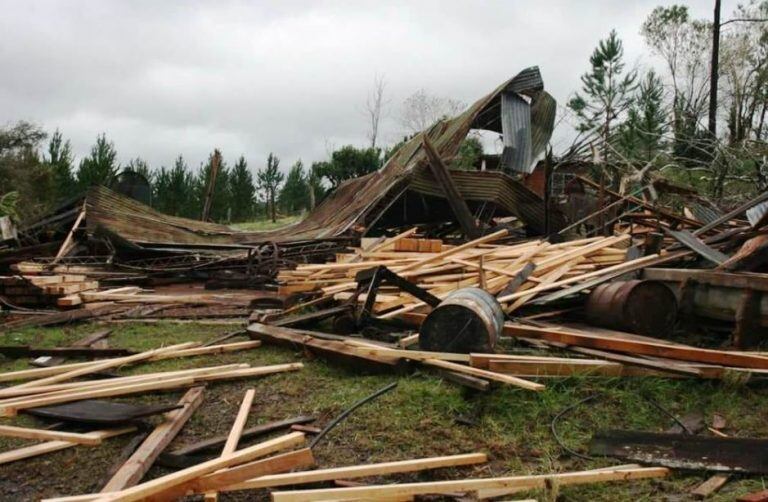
668 413
346 412
553 426
649 400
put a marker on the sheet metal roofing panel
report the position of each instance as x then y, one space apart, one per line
757 214
516 132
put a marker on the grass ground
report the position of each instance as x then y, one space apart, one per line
267 224
417 419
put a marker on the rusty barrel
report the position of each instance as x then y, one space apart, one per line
467 320
644 307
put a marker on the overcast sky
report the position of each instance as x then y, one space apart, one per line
163 78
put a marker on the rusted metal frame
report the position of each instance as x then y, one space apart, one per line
452 194
372 278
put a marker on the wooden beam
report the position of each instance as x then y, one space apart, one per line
161 484
677 352
360 471
251 432
10 410
490 375
440 487
142 459
103 365
49 435
7 457
453 196
235 432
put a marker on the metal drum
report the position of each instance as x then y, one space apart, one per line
644 307
467 320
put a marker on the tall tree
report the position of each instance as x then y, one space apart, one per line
295 193
606 90
641 136
174 190
349 162
60 162
100 167
269 180
421 110
374 107
243 191
683 44
25 182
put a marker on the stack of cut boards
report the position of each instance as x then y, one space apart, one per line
515 273
43 290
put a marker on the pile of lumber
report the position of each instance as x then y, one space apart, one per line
43 290
515 273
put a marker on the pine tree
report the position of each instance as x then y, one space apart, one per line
269 179
243 192
295 193
60 163
606 91
100 167
173 190
641 135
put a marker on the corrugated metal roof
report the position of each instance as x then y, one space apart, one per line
516 127
347 209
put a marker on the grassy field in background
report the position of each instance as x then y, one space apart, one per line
423 416
267 224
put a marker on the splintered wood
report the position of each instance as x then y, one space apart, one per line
501 269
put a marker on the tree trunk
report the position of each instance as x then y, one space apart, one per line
714 72
272 203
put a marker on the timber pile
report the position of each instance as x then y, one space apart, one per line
43 290
534 267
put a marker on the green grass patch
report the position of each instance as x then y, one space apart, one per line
417 419
267 224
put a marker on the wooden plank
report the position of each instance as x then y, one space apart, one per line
710 486
251 432
450 252
104 365
225 478
361 471
235 432
174 383
49 435
677 352
490 375
142 459
67 244
7 457
169 481
464 485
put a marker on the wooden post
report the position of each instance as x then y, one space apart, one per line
215 161
458 204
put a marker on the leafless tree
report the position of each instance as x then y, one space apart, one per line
421 110
374 107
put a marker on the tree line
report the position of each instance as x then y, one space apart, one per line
636 121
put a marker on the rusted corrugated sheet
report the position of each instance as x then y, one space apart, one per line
353 203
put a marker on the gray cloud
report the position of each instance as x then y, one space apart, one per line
168 78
